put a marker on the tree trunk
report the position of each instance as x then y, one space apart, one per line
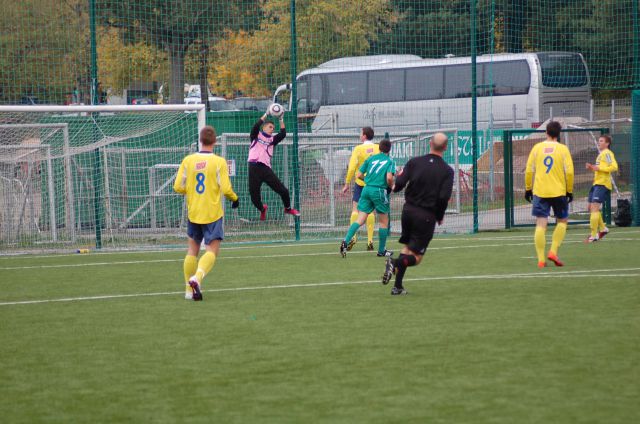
202 74
177 52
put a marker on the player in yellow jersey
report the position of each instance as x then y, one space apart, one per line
203 178
605 165
358 156
552 188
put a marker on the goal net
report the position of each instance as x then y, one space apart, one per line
87 176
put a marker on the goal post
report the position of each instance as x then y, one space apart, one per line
73 176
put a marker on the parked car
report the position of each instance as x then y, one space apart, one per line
216 104
252 103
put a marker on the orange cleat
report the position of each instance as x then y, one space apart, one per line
555 259
542 264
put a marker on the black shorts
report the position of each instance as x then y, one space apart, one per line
417 228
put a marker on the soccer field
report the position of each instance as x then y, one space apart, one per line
293 333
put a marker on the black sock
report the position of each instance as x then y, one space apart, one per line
401 265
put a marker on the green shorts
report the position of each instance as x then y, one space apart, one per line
374 198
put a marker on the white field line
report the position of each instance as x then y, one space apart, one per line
604 273
30 256
282 255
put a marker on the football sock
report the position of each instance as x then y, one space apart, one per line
189 267
205 264
353 229
540 242
354 217
371 222
594 221
401 265
382 235
601 225
558 237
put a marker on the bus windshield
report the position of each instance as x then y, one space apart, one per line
562 70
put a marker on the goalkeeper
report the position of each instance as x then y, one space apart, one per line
260 153
203 177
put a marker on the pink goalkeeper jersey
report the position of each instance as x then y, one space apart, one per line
261 149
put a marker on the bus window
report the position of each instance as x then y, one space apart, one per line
386 86
506 78
346 88
562 70
425 83
457 81
315 93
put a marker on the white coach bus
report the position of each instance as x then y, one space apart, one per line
407 93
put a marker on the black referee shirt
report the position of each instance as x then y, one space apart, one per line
429 182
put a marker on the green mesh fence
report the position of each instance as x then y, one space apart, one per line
403 67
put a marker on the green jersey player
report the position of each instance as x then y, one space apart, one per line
377 172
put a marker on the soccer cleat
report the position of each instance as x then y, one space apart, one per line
389 270
385 254
351 243
555 259
263 213
195 289
591 239
398 291
603 233
292 211
343 249
542 264
370 247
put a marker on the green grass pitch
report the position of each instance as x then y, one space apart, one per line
295 334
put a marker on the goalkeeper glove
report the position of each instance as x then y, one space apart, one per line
528 195
569 197
235 204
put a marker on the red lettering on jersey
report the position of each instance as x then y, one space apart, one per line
201 165
549 150
370 150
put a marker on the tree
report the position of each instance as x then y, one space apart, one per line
174 25
43 50
326 29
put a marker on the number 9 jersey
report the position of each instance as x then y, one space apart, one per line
552 165
203 177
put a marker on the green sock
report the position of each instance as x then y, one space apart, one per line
353 229
383 233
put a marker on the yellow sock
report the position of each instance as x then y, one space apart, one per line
205 264
540 242
354 217
594 221
371 223
189 267
601 225
558 237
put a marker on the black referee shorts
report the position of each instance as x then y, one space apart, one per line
417 228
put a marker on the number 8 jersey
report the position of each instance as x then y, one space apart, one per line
203 177
552 165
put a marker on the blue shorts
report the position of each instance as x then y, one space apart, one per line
598 194
208 232
542 206
357 192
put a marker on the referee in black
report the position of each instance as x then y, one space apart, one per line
429 181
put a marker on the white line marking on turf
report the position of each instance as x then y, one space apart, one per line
561 274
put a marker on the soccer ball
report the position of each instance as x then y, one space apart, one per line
276 110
